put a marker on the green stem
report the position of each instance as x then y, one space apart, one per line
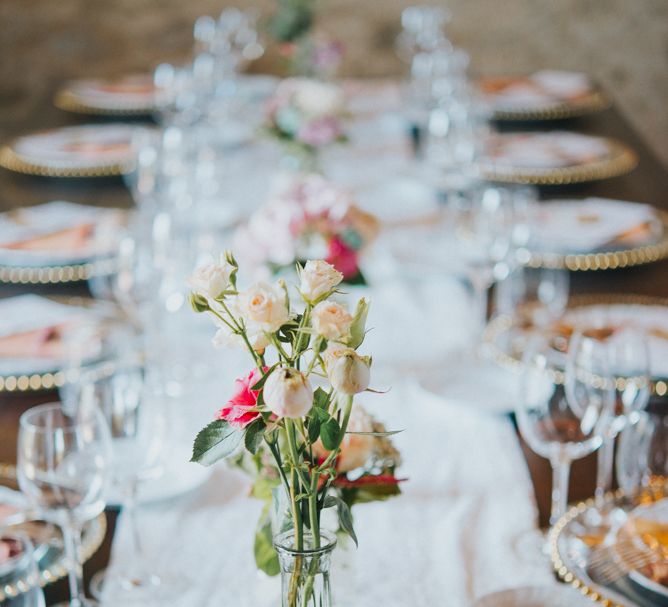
344 426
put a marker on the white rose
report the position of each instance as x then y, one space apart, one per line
317 279
331 320
263 306
211 279
318 99
288 393
348 372
226 337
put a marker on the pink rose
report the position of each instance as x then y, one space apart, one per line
343 258
236 411
319 132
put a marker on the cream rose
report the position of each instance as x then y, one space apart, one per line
288 393
263 306
331 320
317 279
226 337
318 99
211 279
348 372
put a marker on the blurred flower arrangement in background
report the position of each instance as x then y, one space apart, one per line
307 216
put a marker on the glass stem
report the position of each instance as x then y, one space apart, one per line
130 510
561 471
606 456
72 541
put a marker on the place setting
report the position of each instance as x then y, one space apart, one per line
542 95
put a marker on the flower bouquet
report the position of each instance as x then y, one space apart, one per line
307 216
276 407
304 116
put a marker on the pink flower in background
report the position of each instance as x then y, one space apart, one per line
320 132
343 258
236 411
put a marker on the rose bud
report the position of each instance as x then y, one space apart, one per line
348 372
317 279
211 279
288 393
331 320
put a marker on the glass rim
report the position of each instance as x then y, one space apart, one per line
280 543
25 421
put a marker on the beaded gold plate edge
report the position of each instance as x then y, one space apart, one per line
58 274
501 325
13 162
621 160
605 260
70 102
596 101
562 570
91 541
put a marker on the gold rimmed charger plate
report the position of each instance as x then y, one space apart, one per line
604 260
53 566
595 101
619 161
69 101
54 378
567 561
499 328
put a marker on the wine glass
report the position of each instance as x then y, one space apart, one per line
612 364
548 422
19 567
63 461
138 428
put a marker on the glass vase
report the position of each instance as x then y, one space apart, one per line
305 571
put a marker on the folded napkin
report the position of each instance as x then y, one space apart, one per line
562 84
56 232
11 503
575 226
135 90
545 150
32 332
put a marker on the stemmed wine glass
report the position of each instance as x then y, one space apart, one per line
138 439
548 422
63 461
612 363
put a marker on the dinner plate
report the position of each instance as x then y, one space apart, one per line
504 340
58 242
49 551
595 234
534 596
35 362
553 158
76 151
128 95
542 95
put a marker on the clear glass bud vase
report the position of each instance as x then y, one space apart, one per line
305 572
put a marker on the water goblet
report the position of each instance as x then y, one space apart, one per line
63 462
18 568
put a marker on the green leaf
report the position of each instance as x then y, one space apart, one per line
266 558
215 442
380 434
313 428
254 435
330 432
345 516
320 398
198 302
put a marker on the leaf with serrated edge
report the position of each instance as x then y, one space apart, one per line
215 442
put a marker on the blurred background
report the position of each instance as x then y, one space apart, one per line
622 43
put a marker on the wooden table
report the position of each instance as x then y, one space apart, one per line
648 183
